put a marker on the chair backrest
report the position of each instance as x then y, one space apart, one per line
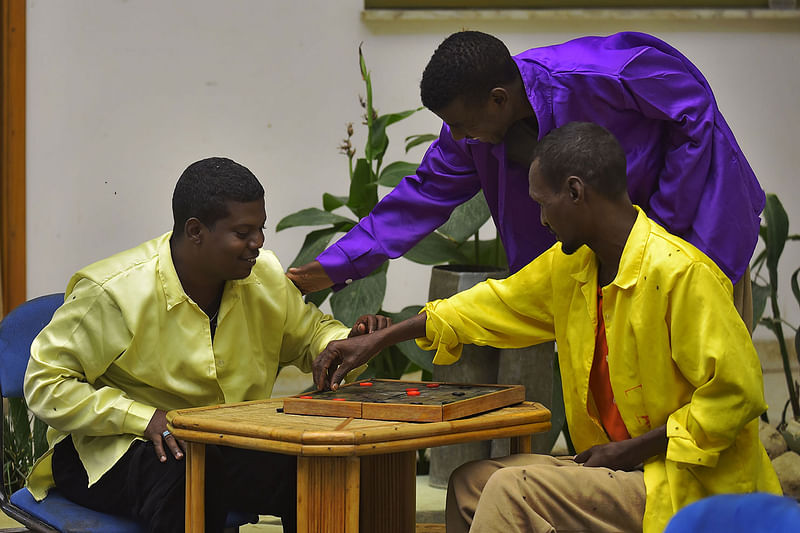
17 331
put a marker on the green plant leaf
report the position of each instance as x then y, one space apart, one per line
331 202
796 286
414 140
466 219
435 249
377 140
363 192
490 253
317 298
760 295
777 223
363 296
393 173
313 245
311 216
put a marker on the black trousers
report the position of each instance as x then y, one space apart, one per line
143 488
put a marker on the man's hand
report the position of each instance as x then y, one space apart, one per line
157 433
613 455
340 357
310 277
369 324
626 454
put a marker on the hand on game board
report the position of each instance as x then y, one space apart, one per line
369 324
627 454
340 357
310 277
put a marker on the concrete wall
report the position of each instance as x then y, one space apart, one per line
122 95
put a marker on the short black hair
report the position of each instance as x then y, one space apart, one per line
206 186
468 64
586 150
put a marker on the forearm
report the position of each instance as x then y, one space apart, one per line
412 328
650 444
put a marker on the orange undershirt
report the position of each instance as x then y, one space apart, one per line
600 382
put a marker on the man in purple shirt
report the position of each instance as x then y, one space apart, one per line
685 168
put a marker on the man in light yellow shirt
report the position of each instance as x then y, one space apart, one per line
198 316
662 385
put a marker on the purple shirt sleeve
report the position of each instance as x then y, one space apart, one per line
418 205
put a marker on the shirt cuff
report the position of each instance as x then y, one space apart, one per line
337 266
440 336
681 446
137 418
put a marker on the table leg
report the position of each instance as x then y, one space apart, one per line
328 494
388 492
195 487
521 444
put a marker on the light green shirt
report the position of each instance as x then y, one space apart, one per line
678 354
129 340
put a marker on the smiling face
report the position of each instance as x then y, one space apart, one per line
558 207
487 123
228 249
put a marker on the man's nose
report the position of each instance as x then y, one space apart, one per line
258 241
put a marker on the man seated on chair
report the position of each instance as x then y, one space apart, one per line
195 317
662 385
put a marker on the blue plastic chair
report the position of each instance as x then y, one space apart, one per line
55 513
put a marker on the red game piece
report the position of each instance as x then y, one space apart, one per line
366 384
307 397
432 385
411 388
412 392
339 400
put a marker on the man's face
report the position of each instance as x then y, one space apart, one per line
229 250
488 122
557 209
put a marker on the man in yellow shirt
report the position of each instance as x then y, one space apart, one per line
195 317
662 385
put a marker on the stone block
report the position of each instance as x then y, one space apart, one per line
787 467
791 433
772 440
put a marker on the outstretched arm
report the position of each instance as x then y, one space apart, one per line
342 356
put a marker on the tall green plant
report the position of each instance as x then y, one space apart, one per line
454 241
775 233
24 441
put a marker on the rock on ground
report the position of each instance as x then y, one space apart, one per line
787 467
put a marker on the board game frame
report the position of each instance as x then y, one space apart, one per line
404 412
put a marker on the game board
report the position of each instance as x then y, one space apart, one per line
387 399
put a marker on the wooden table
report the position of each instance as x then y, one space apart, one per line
352 474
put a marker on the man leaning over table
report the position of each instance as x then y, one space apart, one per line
662 385
685 168
195 317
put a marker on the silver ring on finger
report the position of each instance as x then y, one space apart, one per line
166 433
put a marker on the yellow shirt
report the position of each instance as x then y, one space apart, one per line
678 354
129 340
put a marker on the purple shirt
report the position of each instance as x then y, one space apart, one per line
685 168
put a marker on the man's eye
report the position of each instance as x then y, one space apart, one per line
241 234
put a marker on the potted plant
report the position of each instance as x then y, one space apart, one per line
775 233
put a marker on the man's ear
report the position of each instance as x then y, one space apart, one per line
576 189
194 230
498 96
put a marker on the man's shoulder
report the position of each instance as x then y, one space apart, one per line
674 256
121 265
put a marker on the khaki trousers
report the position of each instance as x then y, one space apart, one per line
542 494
